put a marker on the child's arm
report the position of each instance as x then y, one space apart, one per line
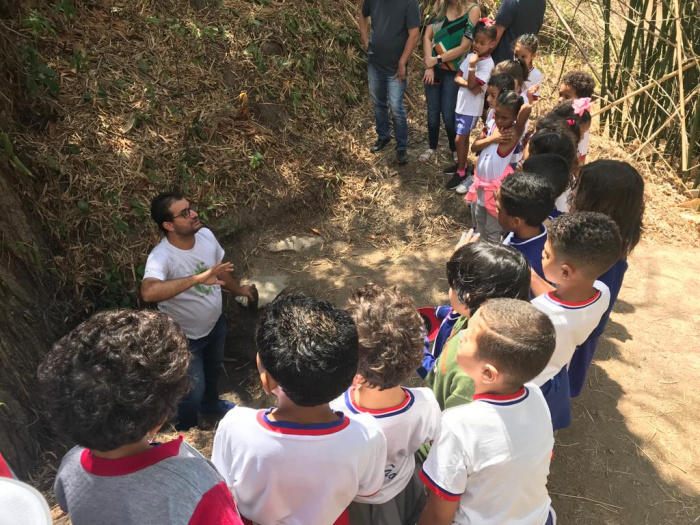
496 136
438 511
471 81
517 130
538 285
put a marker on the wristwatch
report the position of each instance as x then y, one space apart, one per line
439 59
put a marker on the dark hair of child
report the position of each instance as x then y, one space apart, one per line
616 189
503 81
511 100
483 270
514 67
527 196
519 340
581 82
529 41
557 140
309 347
116 376
160 207
551 166
489 31
566 111
391 335
590 240
555 122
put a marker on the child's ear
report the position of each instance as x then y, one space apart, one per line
358 380
489 374
268 382
517 222
567 271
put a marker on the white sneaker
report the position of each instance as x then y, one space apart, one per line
464 186
455 156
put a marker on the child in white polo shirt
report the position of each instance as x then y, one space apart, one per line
302 462
491 462
391 347
581 246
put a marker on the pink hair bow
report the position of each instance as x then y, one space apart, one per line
487 22
581 106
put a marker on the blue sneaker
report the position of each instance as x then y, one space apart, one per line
220 408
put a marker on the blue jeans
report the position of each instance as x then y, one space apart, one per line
207 356
441 100
382 89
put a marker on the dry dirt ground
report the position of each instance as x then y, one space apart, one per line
632 453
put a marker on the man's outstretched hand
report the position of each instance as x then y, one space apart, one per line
211 276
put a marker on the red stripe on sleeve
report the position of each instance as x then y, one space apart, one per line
460 73
216 506
436 489
479 81
343 519
5 471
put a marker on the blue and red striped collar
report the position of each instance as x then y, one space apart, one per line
504 400
574 306
402 407
299 429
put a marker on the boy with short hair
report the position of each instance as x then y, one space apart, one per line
391 346
491 462
525 200
555 169
581 246
110 385
301 463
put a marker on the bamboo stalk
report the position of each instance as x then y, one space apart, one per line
573 37
681 97
670 119
646 87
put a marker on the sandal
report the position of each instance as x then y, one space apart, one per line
427 155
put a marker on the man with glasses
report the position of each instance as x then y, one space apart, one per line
184 275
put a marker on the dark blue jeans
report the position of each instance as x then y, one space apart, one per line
382 89
207 356
442 100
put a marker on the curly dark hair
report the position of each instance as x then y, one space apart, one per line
616 189
489 31
554 137
309 347
552 167
590 240
485 270
115 377
516 338
391 335
527 40
503 81
527 196
160 207
515 68
566 111
581 82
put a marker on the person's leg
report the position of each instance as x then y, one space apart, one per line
433 102
396 89
492 229
188 408
213 356
378 94
479 214
580 362
449 103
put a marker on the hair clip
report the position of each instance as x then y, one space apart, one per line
570 121
581 106
487 22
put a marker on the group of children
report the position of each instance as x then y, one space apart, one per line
530 292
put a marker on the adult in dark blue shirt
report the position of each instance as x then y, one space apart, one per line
515 18
394 35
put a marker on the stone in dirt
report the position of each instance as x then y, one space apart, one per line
269 286
294 243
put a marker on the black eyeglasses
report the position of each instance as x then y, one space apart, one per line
185 214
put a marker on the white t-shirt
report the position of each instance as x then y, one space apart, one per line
197 309
467 102
573 323
535 77
562 202
282 472
493 457
406 427
491 164
583 144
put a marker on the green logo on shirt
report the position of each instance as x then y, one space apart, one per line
204 289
